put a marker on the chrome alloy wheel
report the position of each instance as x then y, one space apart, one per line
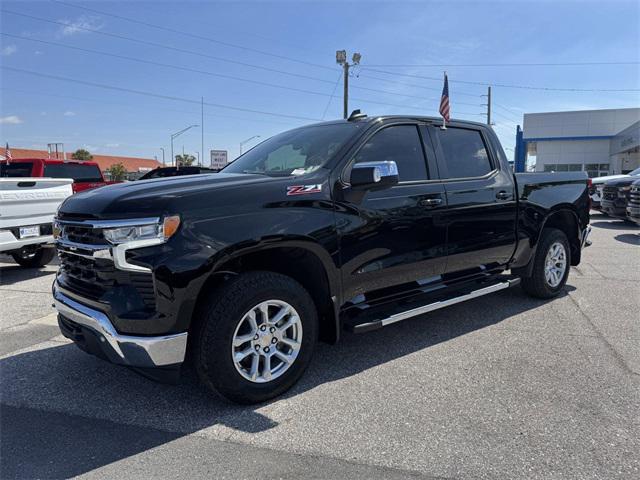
267 341
555 264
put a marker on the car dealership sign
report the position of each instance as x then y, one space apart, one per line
219 158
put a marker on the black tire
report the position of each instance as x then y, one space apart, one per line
536 285
217 322
34 258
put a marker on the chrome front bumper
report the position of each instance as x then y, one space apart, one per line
133 351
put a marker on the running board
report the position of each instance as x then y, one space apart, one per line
365 327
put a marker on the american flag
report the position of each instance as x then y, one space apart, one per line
444 100
7 153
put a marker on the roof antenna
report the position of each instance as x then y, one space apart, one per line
356 115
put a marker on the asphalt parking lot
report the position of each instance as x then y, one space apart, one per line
503 386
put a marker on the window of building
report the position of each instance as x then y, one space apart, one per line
401 144
597 169
465 154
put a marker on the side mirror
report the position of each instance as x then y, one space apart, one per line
374 175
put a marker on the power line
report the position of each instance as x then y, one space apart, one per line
204 72
149 94
524 87
521 64
128 105
170 97
169 47
517 115
193 35
422 87
332 95
192 52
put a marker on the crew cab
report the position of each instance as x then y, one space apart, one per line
346 225
85 175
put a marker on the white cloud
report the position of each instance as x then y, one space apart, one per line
11 120
69 113
38 52
82 24
112 145
8 50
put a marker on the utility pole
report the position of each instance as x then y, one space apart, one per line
163 164
341 59
488 105
201 128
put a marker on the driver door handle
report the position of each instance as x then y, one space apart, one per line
430 202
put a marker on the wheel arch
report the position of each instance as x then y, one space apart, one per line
564 218
305 261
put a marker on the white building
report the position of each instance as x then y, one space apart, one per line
600 142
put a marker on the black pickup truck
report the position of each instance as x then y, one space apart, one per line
345 225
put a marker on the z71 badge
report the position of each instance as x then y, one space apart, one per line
304 189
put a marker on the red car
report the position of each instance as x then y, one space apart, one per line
85 175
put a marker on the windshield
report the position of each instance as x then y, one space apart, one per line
295 152
635 172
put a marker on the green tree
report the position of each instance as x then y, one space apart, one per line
82 154
117 172
185 160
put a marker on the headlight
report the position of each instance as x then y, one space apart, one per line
156 231
57 230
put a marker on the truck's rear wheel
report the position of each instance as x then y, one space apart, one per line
551 265
256 337
32 258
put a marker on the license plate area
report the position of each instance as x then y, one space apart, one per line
33 231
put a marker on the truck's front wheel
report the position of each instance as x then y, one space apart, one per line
32 258
550 266
256 337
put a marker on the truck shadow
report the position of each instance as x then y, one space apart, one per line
613 225
631 238
59 386
11 272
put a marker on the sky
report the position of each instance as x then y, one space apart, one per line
102 75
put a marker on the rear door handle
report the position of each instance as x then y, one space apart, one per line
503 195
430 202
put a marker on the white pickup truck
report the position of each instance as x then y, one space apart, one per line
27 207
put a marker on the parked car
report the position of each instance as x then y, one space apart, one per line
162 172
597 186
353 224
27 208
85 175
615 196
633 206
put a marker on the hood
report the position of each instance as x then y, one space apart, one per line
598 180
622 182
152 197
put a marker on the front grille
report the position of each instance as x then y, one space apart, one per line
610 193
83 234
99 280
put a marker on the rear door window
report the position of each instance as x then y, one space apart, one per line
400 143
16 169
465 154
79 172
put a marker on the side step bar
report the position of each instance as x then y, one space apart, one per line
414 312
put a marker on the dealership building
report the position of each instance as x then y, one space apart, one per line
600 142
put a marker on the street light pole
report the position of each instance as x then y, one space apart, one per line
174 136
341 59
246 141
